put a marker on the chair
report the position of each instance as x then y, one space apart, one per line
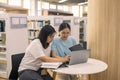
16 59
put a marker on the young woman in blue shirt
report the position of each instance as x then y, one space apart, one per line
61 44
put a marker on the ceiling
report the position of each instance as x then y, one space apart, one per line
69 2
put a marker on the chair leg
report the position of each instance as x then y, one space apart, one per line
54 75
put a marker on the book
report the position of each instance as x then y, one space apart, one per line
53 65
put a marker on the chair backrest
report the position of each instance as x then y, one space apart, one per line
16 59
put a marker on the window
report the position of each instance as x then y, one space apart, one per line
39 8
3 1
59 7
45 5
65 8
26 4
52 6
15 2
86 9
39 5
81 11
75 10
32 7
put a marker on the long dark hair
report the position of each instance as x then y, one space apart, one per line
44 33
63 26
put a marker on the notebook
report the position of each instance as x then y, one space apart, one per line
52 65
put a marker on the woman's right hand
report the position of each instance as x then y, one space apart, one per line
66 58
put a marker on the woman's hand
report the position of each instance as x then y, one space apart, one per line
66 58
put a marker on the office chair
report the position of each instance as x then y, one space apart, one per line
16 59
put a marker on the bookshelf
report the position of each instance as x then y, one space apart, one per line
82 30
13 39
34 26
3 59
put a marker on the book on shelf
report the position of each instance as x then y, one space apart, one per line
2 49
42 23
3 74
2 25
53 65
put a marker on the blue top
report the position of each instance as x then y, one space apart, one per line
62 46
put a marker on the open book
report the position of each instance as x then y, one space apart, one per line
53 65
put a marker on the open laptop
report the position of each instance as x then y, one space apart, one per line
77 57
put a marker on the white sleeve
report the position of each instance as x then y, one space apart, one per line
36 49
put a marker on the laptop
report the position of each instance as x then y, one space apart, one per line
77 57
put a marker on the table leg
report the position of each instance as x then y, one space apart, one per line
89 77
85 77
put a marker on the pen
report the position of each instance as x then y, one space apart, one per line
65 54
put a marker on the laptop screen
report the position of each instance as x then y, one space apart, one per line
76 47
